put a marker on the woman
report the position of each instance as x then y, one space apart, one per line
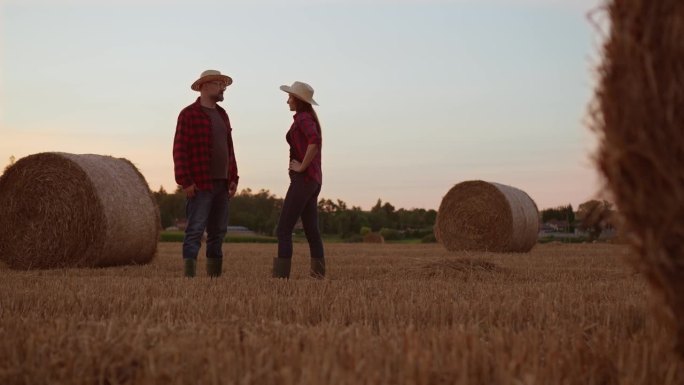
301 201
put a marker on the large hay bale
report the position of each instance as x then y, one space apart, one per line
373 238
66 210
484 216
639 116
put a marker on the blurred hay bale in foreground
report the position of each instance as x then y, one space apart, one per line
639 116
66 210
484 216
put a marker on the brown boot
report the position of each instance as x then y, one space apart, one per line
281 267
189 267
318 268
214 267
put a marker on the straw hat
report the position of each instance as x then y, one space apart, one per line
301 91
209 76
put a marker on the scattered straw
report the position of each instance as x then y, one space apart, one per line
452 268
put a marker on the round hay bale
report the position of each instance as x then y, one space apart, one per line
484 216
638 115
66 210
373 238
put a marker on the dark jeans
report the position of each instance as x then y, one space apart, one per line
207 210
301 201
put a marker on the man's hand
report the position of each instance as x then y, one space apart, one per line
232 188
295 166
190 191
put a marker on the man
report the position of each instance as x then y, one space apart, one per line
205 166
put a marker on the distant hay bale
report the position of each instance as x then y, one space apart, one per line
484 216
66 210
373 238
639 117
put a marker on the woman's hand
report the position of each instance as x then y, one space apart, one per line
190 191
311 151
296 166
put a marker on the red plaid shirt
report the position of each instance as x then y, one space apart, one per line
192 148
303 132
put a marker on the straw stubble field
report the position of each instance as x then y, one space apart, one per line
387 314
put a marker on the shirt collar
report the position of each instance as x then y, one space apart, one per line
300 114
198 105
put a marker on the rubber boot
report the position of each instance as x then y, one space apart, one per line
281 267
214 267
318 268
189 267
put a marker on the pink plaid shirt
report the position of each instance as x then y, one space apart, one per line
303 132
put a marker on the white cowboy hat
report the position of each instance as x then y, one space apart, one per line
301 91
208 76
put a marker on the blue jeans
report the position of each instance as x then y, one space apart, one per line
301 201
206 210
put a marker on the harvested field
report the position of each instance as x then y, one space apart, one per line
387 314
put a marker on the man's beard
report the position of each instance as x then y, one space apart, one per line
218 98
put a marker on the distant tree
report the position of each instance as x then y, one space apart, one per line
378 215
327 206
571 217
12 160
560 213
326 220
415 219
260 212
257 211
171 206
351 221
391 217
341 206
594 216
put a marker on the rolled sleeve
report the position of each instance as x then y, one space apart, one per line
180 153
308 127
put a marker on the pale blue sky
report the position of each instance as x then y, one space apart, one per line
415 96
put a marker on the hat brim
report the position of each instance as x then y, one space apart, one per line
289 90
210 78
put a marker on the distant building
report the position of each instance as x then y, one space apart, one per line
240 230
181 224
555 225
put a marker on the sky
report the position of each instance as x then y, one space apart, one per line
415 96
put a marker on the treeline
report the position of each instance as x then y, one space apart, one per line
259 212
